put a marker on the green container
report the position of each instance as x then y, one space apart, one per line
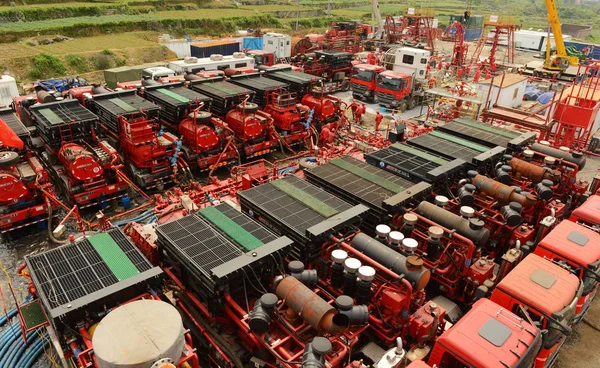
474 21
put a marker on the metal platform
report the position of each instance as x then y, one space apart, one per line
109 106
489 135
77 278
415 164
305 213
176 101
13 122
452 147
65 120
298 82
225 95
262 86
217 246
357 182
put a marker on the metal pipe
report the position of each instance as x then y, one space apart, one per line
577 159
313 309
466 227
502 192
533 172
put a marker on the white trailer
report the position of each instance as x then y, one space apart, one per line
412 61
277 43
214 62
534 40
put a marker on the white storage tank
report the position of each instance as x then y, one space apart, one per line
277 43
8 90
138 334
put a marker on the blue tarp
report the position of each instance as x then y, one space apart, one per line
62 85
532 92
545 97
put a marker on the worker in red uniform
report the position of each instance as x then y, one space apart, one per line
360 110
378 119
327 135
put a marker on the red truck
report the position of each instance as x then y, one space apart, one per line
397 90
579 248
363 81
549 294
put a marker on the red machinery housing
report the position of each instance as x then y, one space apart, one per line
206 141
23 180
88 172
579 247
588 214
252 129
290 118
333 66
327 108
363 81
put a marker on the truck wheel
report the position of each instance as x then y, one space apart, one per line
345 85
8 158
402 106
412 103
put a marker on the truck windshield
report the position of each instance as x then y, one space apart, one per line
363 75
389 83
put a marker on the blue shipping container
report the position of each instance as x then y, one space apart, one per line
472 34
594 49
253 43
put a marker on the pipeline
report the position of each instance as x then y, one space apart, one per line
15 352
502 192
479 235
572 157
49 226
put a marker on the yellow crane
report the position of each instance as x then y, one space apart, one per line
560 61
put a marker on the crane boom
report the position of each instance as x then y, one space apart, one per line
377 13
556 31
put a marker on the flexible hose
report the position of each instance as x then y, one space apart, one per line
33 352
11 313
8 338
50 235
16 350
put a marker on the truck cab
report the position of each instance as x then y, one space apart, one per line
487 336
395 90
579 248
363 81
413 62
548 294
157 73
588 214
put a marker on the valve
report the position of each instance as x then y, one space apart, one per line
315 352
260 317
358 315
307 277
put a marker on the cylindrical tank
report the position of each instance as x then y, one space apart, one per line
324 107
45 96
245 123
391 259
79 163
574 157
13 189
198 133
138 334
501 192
465 227
533 172
311 307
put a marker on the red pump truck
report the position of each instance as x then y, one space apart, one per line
290 118
23 180
85 168
131 123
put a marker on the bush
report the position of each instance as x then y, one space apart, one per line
107 52
46 66
78 63
102 62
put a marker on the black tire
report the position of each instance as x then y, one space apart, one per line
8 158
345 85
402 106
412 103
